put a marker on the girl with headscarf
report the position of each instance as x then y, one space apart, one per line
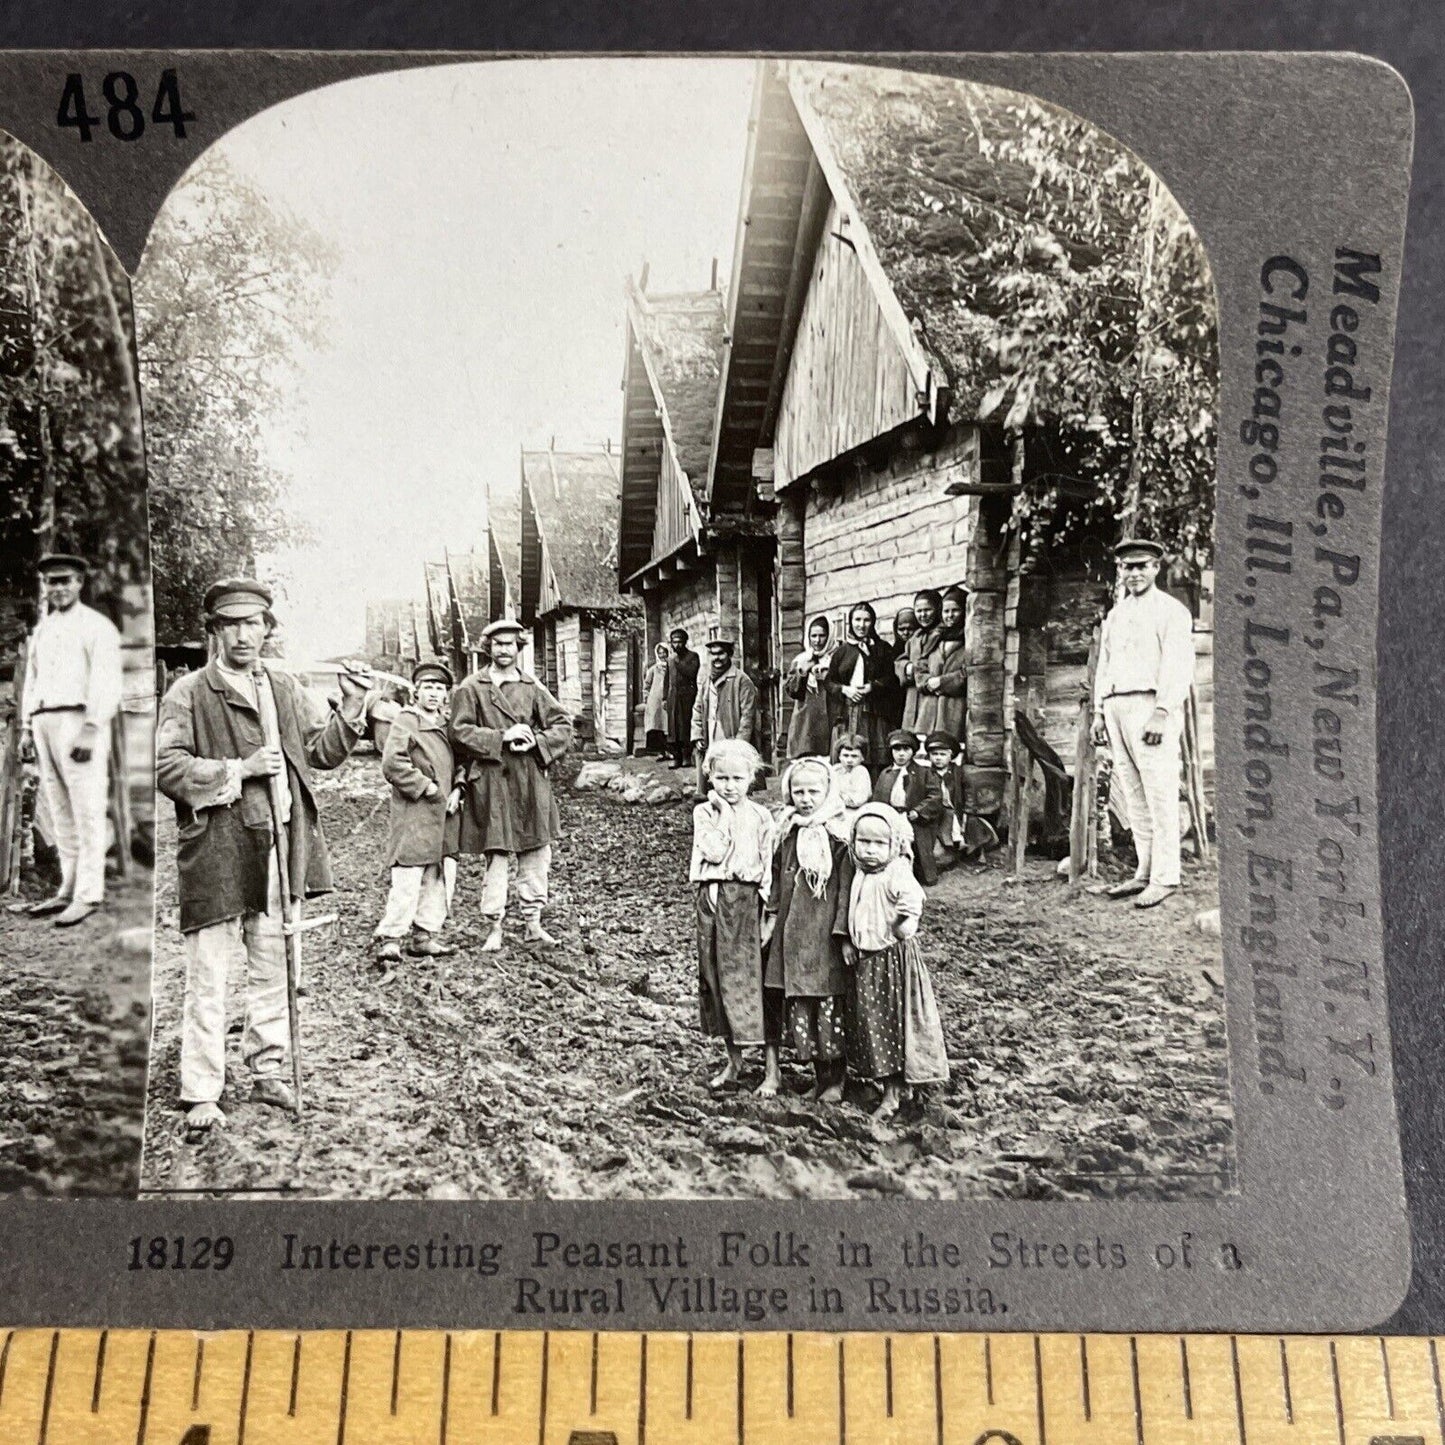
861 679
804 981
895 1035
943 674
654 692
810 729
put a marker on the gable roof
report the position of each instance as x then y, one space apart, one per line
674 362
570 507
504 540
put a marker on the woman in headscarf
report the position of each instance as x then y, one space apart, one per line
654 692
912 664
810 729
943 673
895 1035
905 624
861 679
804 981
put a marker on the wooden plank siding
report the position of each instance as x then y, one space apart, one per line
848 380
689 602
676 518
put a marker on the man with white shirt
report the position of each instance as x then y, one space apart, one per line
1141 685
224 734
72 691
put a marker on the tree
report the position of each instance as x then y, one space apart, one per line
70 429
228 292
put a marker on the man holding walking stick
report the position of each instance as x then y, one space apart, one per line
235 746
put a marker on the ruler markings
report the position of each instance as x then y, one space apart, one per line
842 1393
888 1375
988 1368
395 1369
345 1387
592 1389
1038 1388
742 1339
1339 1400
447 1390
1084 1377
1284 1380
145 1390
49 1387
1239 1390
790 1372
99 1371
938 1390
245 1386
496 1370
688 1401
1389 1383
1185 1385
295 1377
196 1373
1439 1394
4 1361
546 1351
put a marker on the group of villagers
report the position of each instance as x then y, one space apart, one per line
807 921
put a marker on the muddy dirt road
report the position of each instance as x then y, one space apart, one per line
74 1022
1087 1042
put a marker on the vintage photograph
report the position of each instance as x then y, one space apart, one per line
683 599
77 700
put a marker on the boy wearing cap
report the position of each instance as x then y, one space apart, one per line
913 789
421 850
73 685
1141 684
507 730
225 733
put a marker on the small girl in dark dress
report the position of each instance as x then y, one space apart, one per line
805 980
895 1035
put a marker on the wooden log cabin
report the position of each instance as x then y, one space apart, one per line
840 399
458 600
395 629
581 624
700 562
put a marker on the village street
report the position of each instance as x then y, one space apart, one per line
1086 1039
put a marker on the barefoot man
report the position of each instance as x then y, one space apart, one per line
224 733
507 730
1145 670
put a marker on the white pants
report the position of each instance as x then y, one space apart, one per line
261 942
419 897
1149 778
75 795
532 869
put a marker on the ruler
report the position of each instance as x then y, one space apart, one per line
380 1387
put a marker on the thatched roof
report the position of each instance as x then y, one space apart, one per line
572 500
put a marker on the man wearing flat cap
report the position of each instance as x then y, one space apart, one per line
727 702
224 733
422 850
73 680
1141 685
507 730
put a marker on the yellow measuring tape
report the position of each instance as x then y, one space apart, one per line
379 1387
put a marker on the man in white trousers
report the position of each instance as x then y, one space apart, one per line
1141 685
72 692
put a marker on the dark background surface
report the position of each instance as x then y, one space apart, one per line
1412 615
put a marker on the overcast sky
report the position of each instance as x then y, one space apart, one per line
485 216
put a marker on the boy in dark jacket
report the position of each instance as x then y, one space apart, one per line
914 790
960 834
422 848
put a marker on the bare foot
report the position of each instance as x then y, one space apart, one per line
889 1107
772 1082
727 1077
493 941
201 1119
833 1094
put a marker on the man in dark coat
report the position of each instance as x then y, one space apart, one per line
681 696
227 737
507 730
422 847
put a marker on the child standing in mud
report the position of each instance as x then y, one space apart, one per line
732 854
895 1034
805 980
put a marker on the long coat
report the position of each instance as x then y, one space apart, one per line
682 670
874 717
815 711
418 754
507 802
224 842
945 710
654 692
911 666
733 701
805 953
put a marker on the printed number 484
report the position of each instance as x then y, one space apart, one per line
124 118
